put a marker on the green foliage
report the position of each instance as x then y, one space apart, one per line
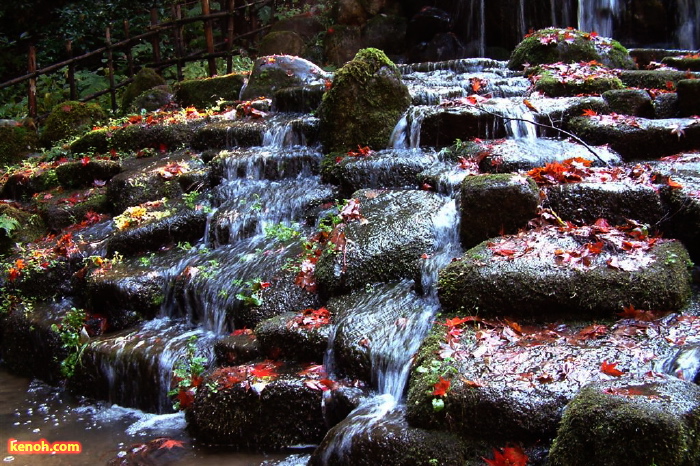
8 224
69 330
187 374
282 232
252 293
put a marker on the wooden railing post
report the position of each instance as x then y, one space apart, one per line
229 36
110 67
155 41
129 56
31 98
71 72
176 11
209 36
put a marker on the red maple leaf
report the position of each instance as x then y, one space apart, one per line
510 456
442 386
610 369
185 398
590 112
170 443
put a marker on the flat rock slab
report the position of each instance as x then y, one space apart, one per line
579 272
638 138
502 380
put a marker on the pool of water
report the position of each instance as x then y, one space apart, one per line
31 410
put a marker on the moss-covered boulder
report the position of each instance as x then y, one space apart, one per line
364 104
226 134
275 72
71 119
384 242
654 79
258 406
638 138
578 272
683 63
152 99
282 43
145 79
493 204
393 442
84 173
125 293
16 141
656 421
569 46
634 102
204 93
18 226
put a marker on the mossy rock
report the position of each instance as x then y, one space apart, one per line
71 119
246 414
366 100
152 99
654 79
84 174
658 423
275 72
68 207
145 79
540 283
682 63
204 93
493 204
552 86
23 183
16 141
29 227
569 46
287 335
95 141
282 43
634 102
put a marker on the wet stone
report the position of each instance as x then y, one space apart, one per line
296 336
496 204
629 102
576 272
239 348
655 419
616 202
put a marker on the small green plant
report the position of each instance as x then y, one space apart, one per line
252 294
210 269
146 261
190 199
282 232
187 376
184 246
8 224
70 330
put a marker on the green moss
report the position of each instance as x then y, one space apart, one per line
93 141
15 143
70 119
145 79
652 79
204 93
553 87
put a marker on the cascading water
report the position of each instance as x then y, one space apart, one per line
598 15
688 29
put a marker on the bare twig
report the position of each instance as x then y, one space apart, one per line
544 125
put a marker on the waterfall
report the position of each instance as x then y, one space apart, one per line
598 15
688 28
563 19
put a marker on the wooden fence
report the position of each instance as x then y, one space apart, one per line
174 27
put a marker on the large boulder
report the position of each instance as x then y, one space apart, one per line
569 46
364 103
145 79
70 119
16 141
